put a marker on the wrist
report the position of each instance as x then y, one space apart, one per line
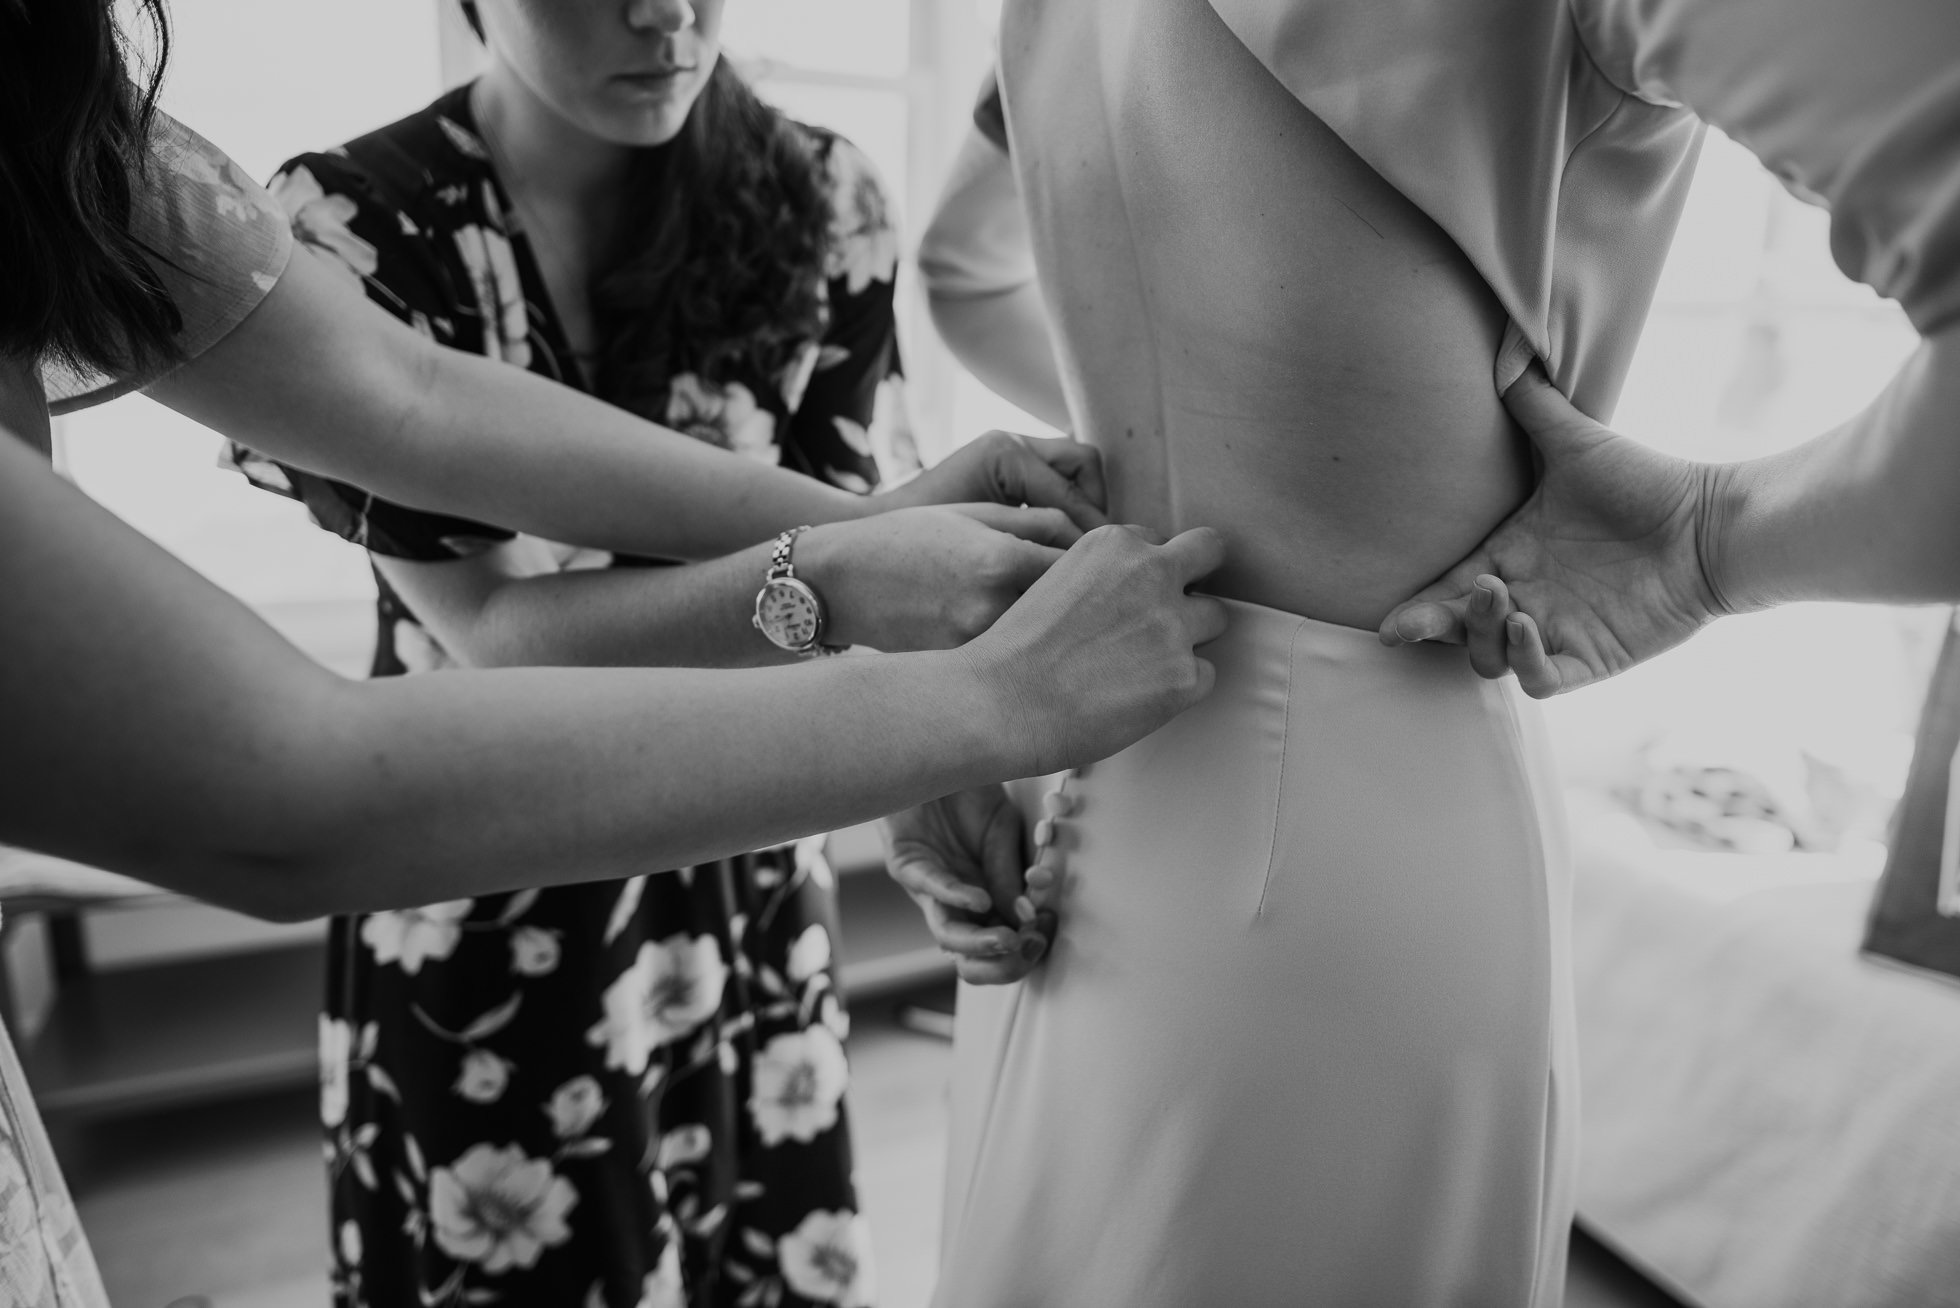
1723 500
985 712
822 560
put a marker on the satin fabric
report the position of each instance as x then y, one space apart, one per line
1554 139
1306 1035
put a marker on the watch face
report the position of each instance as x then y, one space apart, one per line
788 613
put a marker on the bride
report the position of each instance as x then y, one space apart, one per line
1305 1035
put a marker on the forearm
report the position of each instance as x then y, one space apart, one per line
1869 512
319 378
1006 341
699 615
156 727
501 779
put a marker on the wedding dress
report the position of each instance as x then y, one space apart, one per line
1305 1035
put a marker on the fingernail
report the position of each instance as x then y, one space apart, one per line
1039 877
1483 599
1514 631
1024 909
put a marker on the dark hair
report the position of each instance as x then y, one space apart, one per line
728 227
74 145
723 266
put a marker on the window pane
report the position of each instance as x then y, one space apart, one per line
264 79
866 37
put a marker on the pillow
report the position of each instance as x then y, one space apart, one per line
1915 917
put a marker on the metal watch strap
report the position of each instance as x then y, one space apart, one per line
780 569
779 564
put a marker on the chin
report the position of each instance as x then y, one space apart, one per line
647 121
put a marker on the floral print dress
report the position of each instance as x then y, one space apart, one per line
612 1095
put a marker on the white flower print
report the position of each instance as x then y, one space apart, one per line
813 861
483 1077
797 1083
863 240
467 143
320 221
663 1288
575 1106
350 1244
533 951
492 268
412 936
853 434
683 1145
828 1258
728 417
673 987
797 373
499 1208
810 954
834 1018
336 1053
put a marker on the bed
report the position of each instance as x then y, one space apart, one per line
1771 1119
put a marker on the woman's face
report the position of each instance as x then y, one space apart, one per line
626 71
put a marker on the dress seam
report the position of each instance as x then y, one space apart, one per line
1279 780
1521 777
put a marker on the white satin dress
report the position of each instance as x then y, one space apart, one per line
1305 1036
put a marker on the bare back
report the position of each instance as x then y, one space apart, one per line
1260 332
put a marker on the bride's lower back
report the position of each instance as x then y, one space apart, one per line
1262 335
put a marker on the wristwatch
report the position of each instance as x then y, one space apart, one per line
788 609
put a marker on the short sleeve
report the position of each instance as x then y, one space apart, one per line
1853 103
214 238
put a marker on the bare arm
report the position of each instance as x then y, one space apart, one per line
1621 552
979 275
157 728
319 378
910 579
1870 511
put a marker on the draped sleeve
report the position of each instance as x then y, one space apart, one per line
214 238
1853 103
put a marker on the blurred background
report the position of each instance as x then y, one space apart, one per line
172 1044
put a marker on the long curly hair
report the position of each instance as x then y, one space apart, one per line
724 267
74 146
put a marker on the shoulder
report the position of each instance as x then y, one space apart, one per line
863 243
398 165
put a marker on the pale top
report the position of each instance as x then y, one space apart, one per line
1294 249
1554 139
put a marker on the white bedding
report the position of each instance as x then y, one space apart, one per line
1770 1119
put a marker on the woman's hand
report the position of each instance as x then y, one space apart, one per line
1002 468
1099 652
962 860
1115 662
1603 567
929 578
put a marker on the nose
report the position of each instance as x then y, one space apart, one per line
664 16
